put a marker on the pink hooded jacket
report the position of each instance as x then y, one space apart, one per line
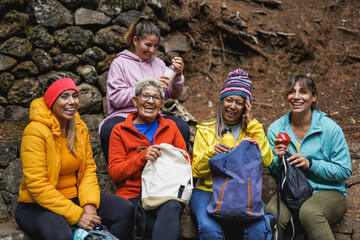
125 72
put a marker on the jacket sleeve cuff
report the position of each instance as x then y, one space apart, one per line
74 214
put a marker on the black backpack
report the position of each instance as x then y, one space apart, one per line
294 187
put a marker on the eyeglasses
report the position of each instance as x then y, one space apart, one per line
146 97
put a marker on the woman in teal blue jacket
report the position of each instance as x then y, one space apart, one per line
318 146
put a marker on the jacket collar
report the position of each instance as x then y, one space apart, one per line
129 55
315 125
128 123
40 112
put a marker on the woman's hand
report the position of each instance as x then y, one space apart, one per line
153 152
248 116
299 160
279 148
88 218
178 64
90 209
220 147
164 80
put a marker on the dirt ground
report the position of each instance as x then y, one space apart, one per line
322 41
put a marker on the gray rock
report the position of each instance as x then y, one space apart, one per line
105 64
11 200
23 91
74 4
6 62
92 121
4 213
112 8
8 4
176 43
102 82
74 38
50 13
42 59
3 101
102 167
132 4
13 24
2 112
111 38
105 106
66 61
40 37
25 69
15 46
73 76
55 51
85 16
88 73
1 187
96 145
106 184
92 56
126 18
345 225
154 3
12 177
164 27
8 153
45 77
90 99
11 231
17 113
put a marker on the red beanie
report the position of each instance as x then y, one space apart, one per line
57 88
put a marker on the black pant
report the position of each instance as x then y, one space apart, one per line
116 213
107 127
163 222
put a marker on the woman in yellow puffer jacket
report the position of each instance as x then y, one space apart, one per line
234 112
59 186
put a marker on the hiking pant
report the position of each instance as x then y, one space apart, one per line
116 213
210 228
316 214
163 222
107 127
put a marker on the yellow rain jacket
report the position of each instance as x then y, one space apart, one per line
204 149
41 160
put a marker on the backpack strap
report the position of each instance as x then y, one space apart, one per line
280 186
140 220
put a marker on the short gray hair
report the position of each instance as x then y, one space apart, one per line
148 82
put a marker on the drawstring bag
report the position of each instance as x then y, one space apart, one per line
295 189
237 183
169 177
100 232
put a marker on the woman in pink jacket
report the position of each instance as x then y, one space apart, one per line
130 67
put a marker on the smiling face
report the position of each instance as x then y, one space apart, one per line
65 106
146 46
300 99
148 104
233 107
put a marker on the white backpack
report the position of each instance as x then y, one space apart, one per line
169 177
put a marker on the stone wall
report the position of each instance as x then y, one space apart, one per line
39 38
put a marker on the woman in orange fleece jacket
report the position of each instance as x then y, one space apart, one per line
59 185
145 128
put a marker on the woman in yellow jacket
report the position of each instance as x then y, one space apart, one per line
59 186
235 113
